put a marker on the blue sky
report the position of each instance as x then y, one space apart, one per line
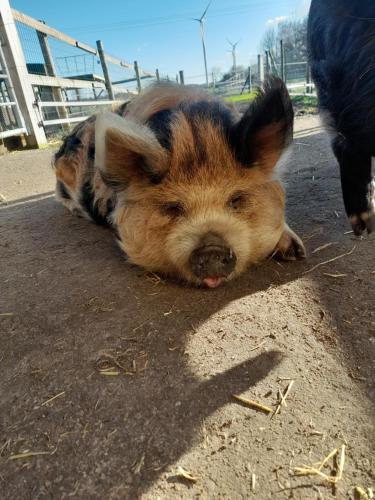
161 33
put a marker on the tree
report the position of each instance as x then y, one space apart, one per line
231 73
293 33
270 40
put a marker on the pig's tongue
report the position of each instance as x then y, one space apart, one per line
213 281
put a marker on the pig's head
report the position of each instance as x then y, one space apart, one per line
195 188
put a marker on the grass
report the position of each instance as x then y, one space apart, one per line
302 103
240 97
304 100
305 104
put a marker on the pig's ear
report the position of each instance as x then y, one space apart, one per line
266 128
126 151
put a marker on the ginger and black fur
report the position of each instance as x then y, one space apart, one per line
186 183
341 42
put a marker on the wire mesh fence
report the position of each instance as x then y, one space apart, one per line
246 80
78 64
31 49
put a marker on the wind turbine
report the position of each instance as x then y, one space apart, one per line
233 51
201 24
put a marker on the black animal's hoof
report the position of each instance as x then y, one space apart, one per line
363 222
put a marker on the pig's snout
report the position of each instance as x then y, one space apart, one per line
213 258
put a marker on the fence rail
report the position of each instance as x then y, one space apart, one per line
56 104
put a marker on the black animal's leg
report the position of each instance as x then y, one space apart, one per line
357 185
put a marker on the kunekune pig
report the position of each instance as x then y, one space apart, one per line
341 40
187 184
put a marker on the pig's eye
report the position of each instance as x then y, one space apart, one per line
237 200
172 209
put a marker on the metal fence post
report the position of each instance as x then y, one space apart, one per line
282 61
19 75
103 62
182 80
136 69
308 79
260 69
157 75
267 62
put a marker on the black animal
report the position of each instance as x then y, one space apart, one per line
341 41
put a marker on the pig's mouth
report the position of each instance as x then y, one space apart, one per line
213 281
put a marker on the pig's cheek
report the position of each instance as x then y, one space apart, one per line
131 229
264 227
269 224
266 232
143 240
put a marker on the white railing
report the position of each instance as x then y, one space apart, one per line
68 104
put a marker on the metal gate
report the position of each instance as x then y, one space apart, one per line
11 121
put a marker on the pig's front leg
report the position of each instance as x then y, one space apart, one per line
290 246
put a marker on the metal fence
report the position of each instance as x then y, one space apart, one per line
296 75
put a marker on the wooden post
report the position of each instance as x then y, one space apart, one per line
103 62
51 71
47 56
182 80
19 76
282 61
136 69
157 75
260 69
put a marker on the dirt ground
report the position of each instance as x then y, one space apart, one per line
70 305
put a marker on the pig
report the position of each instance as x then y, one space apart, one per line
341 46
185 182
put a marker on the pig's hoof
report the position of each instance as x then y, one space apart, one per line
363 222
290 246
